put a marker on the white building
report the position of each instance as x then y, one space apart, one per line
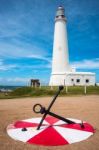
62 72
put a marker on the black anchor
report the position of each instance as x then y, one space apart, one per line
38 108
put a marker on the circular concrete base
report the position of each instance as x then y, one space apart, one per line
53 132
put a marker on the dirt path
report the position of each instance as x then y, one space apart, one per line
83 107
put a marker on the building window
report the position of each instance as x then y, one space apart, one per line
78 80
87 80
72 80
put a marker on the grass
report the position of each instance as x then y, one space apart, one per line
47 91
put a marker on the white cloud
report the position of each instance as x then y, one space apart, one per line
87 64
17 35
4 67
15 81
20 50
1 61
15 66
40 57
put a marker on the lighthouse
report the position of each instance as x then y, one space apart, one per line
60 60
62 73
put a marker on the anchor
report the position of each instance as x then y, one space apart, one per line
38 108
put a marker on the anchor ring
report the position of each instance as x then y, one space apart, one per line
37 108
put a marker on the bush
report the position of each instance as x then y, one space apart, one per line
21 91
47 91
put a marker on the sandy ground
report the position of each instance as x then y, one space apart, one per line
80 107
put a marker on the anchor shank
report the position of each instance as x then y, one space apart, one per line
41 121
61 118
58 92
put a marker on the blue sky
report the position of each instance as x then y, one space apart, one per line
26 38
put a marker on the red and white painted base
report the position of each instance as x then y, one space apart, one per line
53 132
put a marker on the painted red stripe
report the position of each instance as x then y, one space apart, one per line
48 137
51 120
23 124
87 127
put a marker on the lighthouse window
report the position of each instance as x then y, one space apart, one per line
78 80
87 80
62 16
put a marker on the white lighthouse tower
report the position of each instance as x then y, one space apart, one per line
62 72
60 61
